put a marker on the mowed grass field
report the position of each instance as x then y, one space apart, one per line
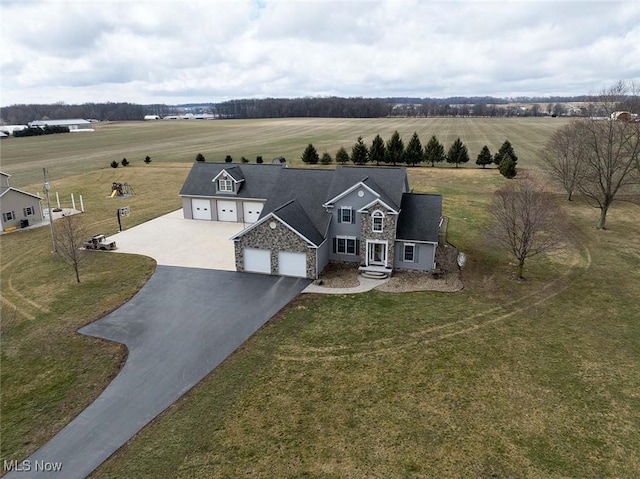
502 379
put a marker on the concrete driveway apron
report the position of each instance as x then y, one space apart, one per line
181 325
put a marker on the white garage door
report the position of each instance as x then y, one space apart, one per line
292 264
201 209
257 260
227 211
251 210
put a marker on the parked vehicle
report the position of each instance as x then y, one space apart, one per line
100 242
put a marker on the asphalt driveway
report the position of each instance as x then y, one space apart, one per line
181 325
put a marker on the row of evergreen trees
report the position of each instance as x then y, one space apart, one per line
394 152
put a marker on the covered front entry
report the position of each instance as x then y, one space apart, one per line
257 260
227 210
201 209
292 264
376 253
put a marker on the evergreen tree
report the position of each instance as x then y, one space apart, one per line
377 150
414 153
359 153
114 164
259 159
506 150
395 149
507 168
484 157
326 159
125 162
228 159
457 153
434 151
147 159
310 155
342 156
244 160
199 157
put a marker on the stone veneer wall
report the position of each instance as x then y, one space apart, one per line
280 238
388 233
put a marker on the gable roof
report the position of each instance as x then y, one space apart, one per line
304 189
11 188
234 172
259 179
388 182
419 219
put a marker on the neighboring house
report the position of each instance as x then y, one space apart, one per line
73 125
302 219
152 117
19 209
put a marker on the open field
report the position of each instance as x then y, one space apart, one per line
503 379
181 141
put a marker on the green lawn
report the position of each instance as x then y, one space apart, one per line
503 379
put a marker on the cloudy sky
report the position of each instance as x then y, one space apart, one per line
156 51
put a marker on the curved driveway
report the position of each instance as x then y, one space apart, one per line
181 325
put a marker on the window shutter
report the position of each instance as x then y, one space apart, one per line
415 253
339 220
357 246
353 217
335 244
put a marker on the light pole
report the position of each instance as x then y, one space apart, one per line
47 187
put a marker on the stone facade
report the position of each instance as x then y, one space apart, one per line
280 238
388 232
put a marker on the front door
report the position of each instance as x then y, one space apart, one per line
377 254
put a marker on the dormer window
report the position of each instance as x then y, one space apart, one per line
225 185
377 219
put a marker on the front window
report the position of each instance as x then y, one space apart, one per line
346 215
409 252
346 245
28 211
225 185
378 221
8 216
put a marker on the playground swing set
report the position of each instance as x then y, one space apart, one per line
121 190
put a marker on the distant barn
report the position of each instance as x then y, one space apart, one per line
152 117
73 125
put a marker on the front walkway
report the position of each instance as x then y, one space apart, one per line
365 285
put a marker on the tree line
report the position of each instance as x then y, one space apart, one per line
323 107
394 152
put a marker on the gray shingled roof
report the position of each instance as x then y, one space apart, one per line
259 179
419 219
389 182
305 190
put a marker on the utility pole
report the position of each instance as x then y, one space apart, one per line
47 187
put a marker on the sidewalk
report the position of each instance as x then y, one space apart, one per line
366 284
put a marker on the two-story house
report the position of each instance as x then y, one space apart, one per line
302 219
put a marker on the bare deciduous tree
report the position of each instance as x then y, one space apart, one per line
70 234
608 150
565 157
527 220
611 162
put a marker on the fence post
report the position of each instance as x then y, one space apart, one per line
73 202
81 204
58 199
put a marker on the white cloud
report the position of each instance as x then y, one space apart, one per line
175 51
